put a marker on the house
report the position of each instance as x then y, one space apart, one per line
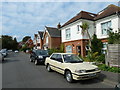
51 37
108 18
29 43
38 40
73 39
35 41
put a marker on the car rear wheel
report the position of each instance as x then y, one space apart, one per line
68 76
48 68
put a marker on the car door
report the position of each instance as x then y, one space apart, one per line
59 64
52 61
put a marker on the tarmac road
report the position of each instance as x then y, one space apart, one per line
19 72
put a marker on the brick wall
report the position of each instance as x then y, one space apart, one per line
75 44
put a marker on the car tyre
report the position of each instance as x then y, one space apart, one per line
68 76
48 68
31 60
36 62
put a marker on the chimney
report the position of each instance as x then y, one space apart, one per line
59 26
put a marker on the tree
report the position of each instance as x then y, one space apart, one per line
114 38
8 42
25 38
15 43
96 45
85 28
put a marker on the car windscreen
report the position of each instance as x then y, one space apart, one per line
72 58
42 52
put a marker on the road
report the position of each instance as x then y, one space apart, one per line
19 72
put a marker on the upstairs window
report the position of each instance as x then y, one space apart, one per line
105 27
68 34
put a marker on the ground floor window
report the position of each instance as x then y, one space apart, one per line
68 49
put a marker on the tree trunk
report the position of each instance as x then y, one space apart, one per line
89 39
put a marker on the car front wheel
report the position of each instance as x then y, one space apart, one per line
68 76
48 68
36 62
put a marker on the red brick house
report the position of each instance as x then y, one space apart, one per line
51 38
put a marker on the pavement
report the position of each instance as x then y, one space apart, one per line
19 72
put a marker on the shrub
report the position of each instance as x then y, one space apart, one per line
53 50
101 58
110 69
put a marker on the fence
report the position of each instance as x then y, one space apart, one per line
113 55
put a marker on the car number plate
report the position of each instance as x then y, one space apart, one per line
92 74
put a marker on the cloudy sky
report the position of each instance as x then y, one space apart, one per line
26 18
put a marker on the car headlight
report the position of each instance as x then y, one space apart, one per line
80 71
40 56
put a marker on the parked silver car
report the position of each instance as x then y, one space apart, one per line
4 52
1 57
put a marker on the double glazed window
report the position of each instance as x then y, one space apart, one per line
105 27
69 49
68 34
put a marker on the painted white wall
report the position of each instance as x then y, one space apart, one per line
75 35
115 24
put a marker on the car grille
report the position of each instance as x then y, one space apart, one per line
90 70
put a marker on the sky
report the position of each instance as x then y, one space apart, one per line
21 19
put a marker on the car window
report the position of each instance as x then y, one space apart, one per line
72 58
42 52
59 58
53 57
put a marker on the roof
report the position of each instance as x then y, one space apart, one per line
41 34
54 32
110 10
81 15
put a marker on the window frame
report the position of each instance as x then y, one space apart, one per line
68 34
105 26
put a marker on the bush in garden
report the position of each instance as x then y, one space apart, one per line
101 58
110 69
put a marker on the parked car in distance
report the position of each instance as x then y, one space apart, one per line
38 56
1 57
10 50
16 51
4 52
71 66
